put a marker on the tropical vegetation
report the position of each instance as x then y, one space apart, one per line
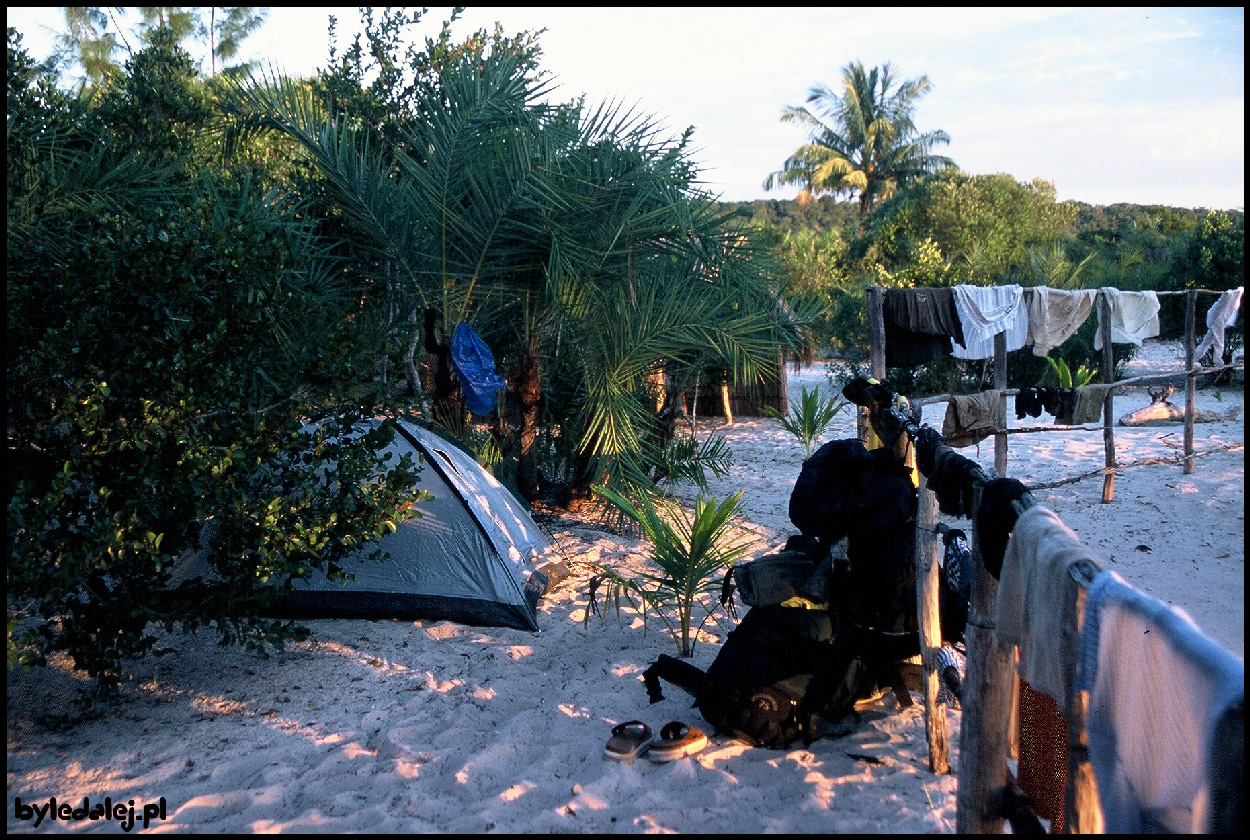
209 280
808 418
212 274
863 141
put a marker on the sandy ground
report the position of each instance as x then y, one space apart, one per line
401 726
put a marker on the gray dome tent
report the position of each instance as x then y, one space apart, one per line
468 558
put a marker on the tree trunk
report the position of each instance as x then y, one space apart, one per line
410 361
529 392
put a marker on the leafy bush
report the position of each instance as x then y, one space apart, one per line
169 339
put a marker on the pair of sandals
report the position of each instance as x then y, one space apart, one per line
634 738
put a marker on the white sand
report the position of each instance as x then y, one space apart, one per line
437 727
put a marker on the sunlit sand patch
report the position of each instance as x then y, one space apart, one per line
407 769
515 792
444 630
354 750
219 705
585 800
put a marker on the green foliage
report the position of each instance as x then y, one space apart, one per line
1063 376
983 226
94 35
683 459
809 417
1217 257
690 552
574 239
170 336
825 214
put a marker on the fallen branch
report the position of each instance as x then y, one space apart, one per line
1160 411
1109 470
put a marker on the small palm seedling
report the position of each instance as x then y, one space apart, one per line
683 459
690 554
809 417
1064 376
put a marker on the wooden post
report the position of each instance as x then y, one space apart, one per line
724 398
1082 813
1000 384
983 736
875 311
928 550
1191 379
1108 367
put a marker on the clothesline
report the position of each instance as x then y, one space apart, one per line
1032 289
912 326
1136 381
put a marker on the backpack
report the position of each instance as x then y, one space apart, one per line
778 673
802 569
846 492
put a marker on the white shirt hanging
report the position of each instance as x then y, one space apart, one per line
986 311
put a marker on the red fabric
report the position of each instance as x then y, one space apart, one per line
1042 766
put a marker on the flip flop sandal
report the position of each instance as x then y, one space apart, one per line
629 740
677 740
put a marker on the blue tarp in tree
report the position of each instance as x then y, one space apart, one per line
476 368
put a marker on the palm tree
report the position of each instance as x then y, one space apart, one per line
863 142
571 238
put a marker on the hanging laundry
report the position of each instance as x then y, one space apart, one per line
920 325
971 419
952 479
995 518
1036 606
1042 763
1221 316
986 311
1055 315
476 368
1158 687
1090 400
1063 406
1134 317
1028 403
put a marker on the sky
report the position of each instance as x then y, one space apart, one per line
1135 105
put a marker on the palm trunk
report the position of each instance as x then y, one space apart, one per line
410 361
529 392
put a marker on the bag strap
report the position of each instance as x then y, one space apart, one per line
681 674
727 588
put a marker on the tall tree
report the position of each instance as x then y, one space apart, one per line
863 142
569 237
94 35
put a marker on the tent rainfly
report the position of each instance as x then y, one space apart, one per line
468 558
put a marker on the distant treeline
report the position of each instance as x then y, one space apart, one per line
1100 223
